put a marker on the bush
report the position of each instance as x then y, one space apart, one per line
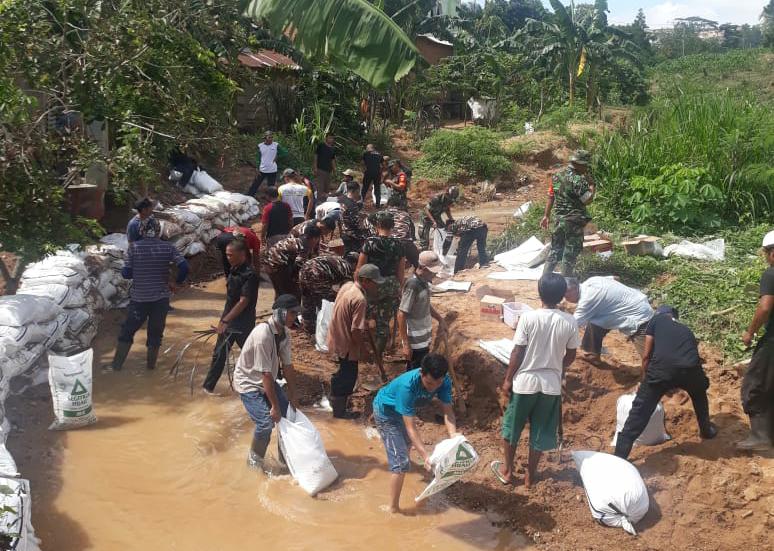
469 153
560 118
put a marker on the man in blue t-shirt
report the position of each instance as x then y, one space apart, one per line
395 416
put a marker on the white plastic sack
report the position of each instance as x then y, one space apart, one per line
529 254
714 250
64 296
18 310
118 240
448 259
615 492
304 452
521 212
7 464
323 322
169 229
204 182
384 197
15 521
70 380
654 433
195 248
45 275
451 459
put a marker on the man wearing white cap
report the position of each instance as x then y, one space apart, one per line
758 382
349 176
415 313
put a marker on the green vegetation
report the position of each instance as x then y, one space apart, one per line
472 152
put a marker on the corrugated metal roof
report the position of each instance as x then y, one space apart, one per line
266 59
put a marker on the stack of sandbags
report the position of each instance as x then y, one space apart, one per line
105 263
29 325
201 184
64 279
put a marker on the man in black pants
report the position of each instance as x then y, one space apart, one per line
670 360
372 174
238 318
469 229
758 382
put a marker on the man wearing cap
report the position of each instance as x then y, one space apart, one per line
758 381
348 176
251 239
568 194
416 314
285 259
148 266
266 159
347 336
372 174
238 317
469 229
319 279
144 208
671 360
324 164
433 212
293 192
398 182
266 350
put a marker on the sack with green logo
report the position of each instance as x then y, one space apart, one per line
451 459
70 380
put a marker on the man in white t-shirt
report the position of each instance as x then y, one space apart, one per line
293 192
266 160
544 346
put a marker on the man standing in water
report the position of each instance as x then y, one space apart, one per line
568 194
257 370
395 417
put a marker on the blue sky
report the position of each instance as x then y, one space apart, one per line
661 13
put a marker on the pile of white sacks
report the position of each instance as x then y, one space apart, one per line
61 298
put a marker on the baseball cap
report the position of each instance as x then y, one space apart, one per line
286 302
349 172
371 271
768 240
288 172
430 261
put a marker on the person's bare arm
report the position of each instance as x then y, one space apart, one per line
439 318
310 206
290 376
413 433
449 214
449 419
647 353
402 271
761 316
517 357
403 331
547 214
271 394
362 259
333 166
435 222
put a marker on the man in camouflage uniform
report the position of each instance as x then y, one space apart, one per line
433 212
353 219
285 259
398 182
404 229
568 194
387 254
469 229
317 279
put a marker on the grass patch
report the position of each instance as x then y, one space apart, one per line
472 152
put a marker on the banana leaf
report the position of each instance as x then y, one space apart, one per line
349 34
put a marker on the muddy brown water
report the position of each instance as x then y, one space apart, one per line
164 470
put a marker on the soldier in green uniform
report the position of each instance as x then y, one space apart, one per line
568 194
319 279
388 255
433 212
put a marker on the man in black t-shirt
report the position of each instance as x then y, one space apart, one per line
238 318
670 360
324 165
758 382
372 174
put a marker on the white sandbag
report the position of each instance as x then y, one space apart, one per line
118 240
202 211
714 251
654 433
384 197
190 189
324 316
169 229
48 332
183 217
195 248
12 339
16 503
450 459
45 275
77 319
204 182
449 259
70 380
60 259
7 464
18 310
304 452
62 295
615 492
182 241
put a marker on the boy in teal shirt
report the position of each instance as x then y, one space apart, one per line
395 416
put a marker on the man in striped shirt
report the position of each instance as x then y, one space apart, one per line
147 264
415 313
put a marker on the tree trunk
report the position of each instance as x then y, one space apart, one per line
572 86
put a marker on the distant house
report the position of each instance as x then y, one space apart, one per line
433 49
446 7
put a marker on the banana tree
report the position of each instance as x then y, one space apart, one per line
350 34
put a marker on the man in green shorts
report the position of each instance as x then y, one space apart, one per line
544 346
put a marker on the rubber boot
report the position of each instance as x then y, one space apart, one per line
339 406
257 451
758 440
623 447
122 351
152 357
708 431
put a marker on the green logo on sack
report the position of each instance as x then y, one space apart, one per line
78 389
463 454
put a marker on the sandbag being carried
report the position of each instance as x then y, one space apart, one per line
323 322
615 492
7 464
654 433
304 452
451 459
70 380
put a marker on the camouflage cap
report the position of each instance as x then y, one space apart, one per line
581 157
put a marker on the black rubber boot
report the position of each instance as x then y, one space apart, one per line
758 440
708 431
152 357
257 451
122 351
339 405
